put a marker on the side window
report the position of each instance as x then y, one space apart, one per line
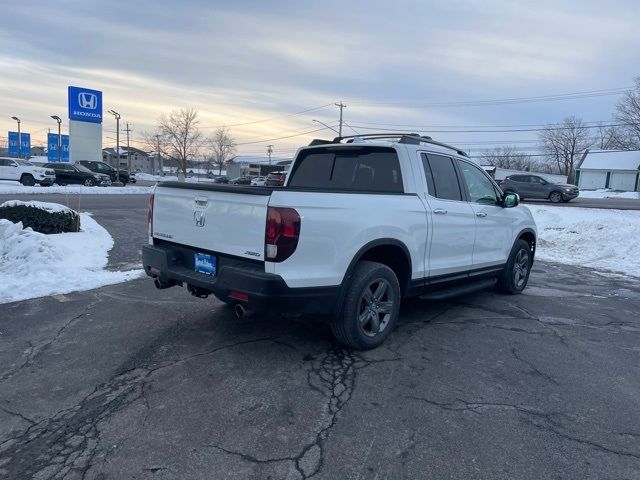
445 179
3 162
479 187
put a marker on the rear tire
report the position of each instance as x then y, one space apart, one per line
515 276
370 308
27 180
555 197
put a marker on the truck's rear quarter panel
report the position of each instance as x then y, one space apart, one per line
335 226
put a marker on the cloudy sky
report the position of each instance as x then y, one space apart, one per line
419 66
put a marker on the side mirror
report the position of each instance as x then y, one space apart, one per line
510 200
14 165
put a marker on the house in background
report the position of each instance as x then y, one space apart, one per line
610 169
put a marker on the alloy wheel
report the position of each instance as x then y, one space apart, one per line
375 307
520 268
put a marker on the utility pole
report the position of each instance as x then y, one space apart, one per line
117 117
128 150
269 151
341 105
158 154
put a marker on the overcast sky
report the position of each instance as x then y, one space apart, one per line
392 63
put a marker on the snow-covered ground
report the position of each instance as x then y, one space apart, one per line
606 193
7 187
34 265
597 238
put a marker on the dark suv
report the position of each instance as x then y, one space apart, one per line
534 186
105 168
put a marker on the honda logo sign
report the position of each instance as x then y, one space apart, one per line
85 105
88 100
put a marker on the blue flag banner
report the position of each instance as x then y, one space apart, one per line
52 147
13 144
25 145
65 148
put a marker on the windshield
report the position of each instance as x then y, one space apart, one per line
24 162
82 168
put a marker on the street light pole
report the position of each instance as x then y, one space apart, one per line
59 120
19 136
117 116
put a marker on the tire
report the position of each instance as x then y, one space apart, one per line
556 197
515 276
27 180
88 182
370 308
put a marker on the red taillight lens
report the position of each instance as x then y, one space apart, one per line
150 216
281 233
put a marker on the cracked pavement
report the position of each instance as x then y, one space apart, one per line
130 382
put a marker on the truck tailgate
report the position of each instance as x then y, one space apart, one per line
223 219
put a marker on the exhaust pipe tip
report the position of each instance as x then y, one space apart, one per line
238 310
157 283
160 285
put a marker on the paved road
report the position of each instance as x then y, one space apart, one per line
606 203
130 382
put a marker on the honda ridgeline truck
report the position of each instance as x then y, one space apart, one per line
360 223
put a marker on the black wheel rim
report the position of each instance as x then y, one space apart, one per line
376 307
521 268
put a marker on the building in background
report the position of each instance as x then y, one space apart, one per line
141 161
610 169
254 166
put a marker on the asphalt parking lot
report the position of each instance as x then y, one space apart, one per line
130 382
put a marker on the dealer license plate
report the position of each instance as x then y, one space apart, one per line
205 263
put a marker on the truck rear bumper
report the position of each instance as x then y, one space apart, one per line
237 281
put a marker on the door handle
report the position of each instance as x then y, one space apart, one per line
440 211
481 214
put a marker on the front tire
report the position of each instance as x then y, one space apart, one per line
370 308
555 197
27 180
515 276
88 183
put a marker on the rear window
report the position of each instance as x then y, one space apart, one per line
366 169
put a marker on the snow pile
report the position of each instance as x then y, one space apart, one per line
606 193
34 265
597 238
7 187
49 207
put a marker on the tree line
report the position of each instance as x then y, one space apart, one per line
563 145
179 140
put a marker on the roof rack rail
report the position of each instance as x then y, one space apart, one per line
319 141
407 138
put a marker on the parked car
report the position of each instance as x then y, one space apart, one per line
258 181
106 169
535 186
75 173
25 172
221 180
276 179
243 180
357 227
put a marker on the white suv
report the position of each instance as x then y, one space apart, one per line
24 172
360 224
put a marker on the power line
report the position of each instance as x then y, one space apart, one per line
282 138
272 118
507 101
511 130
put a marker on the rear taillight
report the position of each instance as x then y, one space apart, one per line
282 233
150 219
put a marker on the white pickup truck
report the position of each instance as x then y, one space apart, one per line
361 223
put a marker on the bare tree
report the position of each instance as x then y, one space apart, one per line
565 144
609 137
181 137
223 147
628 114
508 157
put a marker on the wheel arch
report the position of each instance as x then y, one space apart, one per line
529 236
388 251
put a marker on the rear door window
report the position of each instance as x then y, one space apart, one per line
443 177
365 169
